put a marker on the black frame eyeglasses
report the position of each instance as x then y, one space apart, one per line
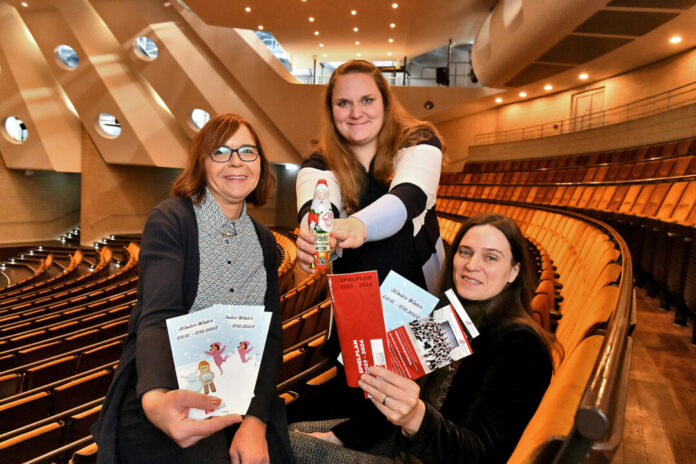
246 153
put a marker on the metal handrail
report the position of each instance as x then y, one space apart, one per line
670 99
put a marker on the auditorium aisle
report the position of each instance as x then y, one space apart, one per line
661 409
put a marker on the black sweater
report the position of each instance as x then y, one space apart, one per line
493 395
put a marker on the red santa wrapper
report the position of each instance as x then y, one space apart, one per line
320 220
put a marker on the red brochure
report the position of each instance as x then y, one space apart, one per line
357 306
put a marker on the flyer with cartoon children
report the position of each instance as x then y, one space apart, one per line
217 351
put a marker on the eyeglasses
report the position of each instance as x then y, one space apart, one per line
246 153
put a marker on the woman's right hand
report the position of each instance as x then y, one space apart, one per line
168 411
305 248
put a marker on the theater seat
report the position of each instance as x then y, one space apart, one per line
556 412
31 444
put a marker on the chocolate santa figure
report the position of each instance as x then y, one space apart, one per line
320 220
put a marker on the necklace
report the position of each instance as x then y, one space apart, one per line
228 231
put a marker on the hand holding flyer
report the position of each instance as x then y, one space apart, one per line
217 351
418 339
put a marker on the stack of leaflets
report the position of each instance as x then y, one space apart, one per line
419 338
217 351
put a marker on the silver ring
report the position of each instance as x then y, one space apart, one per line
384 401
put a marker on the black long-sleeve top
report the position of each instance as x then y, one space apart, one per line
493 395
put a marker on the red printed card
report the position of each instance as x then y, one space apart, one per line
357 306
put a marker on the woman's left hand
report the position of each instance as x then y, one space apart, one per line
397 397
249 443
349 232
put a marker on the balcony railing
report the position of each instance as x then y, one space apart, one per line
679 96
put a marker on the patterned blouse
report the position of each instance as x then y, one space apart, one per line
231 266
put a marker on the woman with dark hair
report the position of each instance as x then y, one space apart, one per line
382 168
474 410
199 248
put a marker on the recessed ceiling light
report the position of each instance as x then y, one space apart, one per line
316 32
321 45
391 40
392 25
584 76
357 43
260 27
358 54
311 19
548 87
522 94
247 9
353 12
675 39
395 5
24 4
498 100
324 55
355 29
389 53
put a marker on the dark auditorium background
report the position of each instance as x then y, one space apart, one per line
577 118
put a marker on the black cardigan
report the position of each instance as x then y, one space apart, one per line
493 395
169 269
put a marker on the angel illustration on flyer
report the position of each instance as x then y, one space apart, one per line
217 351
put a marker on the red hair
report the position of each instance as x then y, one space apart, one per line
192 181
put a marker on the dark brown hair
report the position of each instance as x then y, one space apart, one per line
191 183
513 303
399 130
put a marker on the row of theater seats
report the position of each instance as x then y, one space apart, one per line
60 340
588 268
647 152
288 253
649 197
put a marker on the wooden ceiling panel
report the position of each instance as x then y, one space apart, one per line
664 4
632 23
535 72
575 49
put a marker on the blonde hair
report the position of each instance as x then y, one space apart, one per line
399 130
